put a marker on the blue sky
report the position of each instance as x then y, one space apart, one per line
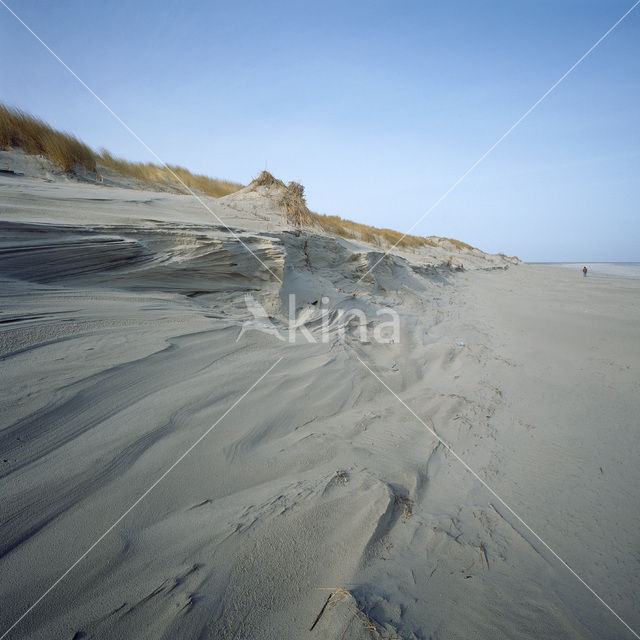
376 107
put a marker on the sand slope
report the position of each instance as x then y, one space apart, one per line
121 313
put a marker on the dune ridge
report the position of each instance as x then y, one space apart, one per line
22 132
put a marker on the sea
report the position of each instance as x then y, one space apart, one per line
622 269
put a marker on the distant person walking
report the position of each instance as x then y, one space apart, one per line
584 271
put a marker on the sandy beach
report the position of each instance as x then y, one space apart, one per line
127 333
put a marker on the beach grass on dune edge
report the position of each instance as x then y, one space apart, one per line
34 136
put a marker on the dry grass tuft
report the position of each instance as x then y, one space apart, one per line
265 179
36 137
295 205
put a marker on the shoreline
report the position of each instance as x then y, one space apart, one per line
613 269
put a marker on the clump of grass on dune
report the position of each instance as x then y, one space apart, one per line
265 179
153 173
458 243
36 137
291 198
348 229
295 205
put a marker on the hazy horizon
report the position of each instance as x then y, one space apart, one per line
376 109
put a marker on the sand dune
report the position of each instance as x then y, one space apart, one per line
127 331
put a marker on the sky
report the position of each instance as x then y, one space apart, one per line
378 108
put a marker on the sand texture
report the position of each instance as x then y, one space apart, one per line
126 333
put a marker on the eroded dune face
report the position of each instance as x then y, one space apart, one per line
184 259
133 322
